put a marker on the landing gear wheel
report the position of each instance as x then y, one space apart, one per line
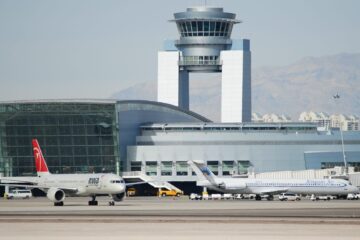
111 203
258 198
93 202
58 203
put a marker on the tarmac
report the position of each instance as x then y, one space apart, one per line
179 218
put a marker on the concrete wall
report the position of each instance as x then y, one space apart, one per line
236 86
168 77
277 151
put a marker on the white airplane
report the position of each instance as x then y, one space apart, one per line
57 186
270 187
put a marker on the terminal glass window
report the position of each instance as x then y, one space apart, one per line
74 137
181 168
151 168
227 167
166 168
243 167
135 166
212 29
213 166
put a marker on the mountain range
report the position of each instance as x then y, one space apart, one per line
306 85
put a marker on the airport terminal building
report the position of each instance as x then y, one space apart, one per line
157 139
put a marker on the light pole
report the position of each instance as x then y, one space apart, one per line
343 151
337 97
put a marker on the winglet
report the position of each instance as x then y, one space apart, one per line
40 163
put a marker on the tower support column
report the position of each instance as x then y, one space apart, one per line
236 86
173 84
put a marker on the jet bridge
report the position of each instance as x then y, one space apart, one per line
140 176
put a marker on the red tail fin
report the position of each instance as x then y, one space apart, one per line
41 166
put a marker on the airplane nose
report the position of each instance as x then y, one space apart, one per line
121 188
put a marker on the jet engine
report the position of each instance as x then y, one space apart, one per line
118 197
55 195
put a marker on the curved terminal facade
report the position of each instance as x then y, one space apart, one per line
205 45
77 136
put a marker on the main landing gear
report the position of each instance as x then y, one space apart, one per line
58 203
258 198
93 202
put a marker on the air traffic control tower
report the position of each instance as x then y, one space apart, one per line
205 46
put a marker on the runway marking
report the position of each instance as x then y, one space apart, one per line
70 219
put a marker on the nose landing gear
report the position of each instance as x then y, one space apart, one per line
111 202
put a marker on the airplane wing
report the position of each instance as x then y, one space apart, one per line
272 191
25 180
66 189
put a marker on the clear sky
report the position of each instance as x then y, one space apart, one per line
91 49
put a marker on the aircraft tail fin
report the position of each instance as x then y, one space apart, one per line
203 172
40 163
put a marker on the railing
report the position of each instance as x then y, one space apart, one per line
199 63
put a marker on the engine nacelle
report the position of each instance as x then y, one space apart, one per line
55 195
118 197
233 185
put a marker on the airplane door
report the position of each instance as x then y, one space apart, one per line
101 179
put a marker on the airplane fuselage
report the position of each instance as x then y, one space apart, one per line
85 184
298 186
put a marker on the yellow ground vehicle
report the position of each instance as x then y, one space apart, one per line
163 192
131 192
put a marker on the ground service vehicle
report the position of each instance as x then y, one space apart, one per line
163 192
131 192
324 198
289 197
227 196
19 193
352 196
195 196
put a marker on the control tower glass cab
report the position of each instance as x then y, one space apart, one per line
205 46
204 33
